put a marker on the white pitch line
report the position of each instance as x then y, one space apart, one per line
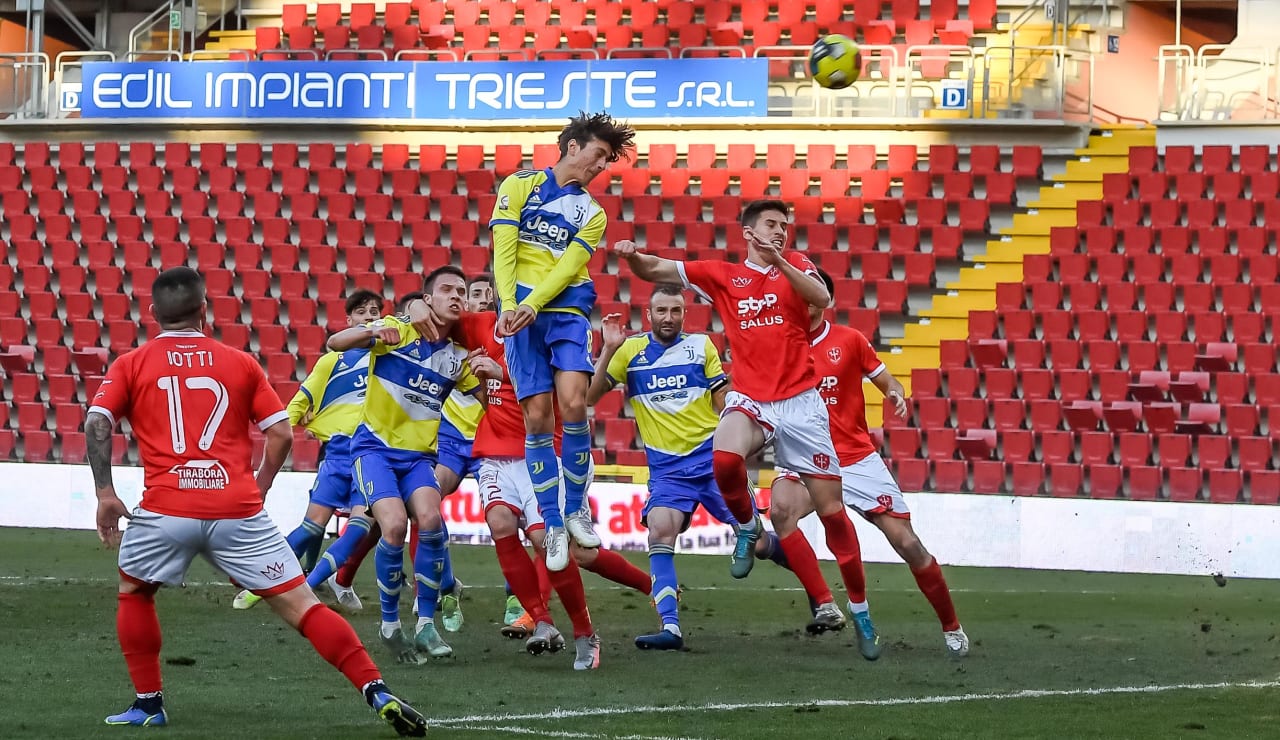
18 581
511 730
892 702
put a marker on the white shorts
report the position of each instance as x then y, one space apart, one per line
158 548
799 429
868 487
505 482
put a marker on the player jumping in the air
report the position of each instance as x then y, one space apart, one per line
394 449
506 491
764 305
190 401
328 404
676 387
545 228
843 357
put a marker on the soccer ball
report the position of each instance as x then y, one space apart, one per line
835 61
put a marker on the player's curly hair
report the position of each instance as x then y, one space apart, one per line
619 137
177 296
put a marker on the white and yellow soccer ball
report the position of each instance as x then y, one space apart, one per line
835 61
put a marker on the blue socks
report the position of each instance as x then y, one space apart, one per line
662 566
575 457
428 567
773 550
447 581
388 561
305 541
544 472
339 552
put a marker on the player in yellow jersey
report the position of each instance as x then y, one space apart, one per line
395 446
329 404
462 414
545 228
676 387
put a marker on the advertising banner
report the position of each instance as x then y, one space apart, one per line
407 91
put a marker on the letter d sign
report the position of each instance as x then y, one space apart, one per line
955 95
69 97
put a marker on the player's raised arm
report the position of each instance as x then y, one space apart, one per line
648 267
605 376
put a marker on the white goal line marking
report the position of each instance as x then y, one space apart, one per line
512 730
891 702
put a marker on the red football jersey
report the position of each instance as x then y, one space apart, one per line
501 430
843 357
190 401
766 321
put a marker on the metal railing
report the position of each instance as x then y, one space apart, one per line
1218 82
143 37
68 67
24 87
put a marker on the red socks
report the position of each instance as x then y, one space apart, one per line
522 576
336 642
347 573
611 565
731 476
138 628
804 563
568 585
413 542
934 587
843 542
544 579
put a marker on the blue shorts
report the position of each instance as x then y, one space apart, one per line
686 494
554 341
333 487
389 473
454 452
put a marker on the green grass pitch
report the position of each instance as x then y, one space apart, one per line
1055 655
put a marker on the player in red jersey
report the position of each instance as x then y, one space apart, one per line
764 303
506 491
843 357
190 401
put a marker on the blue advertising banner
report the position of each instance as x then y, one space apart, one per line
632 88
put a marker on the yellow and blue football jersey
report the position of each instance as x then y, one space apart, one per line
670 390
408 384
334 396
464 411
549 219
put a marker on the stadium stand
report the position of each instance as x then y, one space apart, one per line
283 231
1137 350
551 30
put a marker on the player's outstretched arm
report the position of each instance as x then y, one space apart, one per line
892 390
570 264
279 442
97 437
648 267
363 337
612 337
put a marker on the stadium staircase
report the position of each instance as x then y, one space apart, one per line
1132 356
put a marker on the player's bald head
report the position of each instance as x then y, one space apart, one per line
177 297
